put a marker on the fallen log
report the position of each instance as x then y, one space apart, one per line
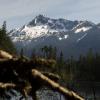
6 85
5 55
69 95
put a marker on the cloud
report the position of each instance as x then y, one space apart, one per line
24 7
21 10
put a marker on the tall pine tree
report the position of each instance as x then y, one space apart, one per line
5 42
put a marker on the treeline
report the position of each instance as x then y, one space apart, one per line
5 42
86 68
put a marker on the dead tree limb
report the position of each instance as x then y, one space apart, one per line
5 55
70 95
7 85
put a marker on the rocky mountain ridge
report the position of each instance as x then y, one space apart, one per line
71 37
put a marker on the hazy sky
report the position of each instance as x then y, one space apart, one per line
20 12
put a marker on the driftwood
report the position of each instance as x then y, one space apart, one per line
26 77
70 95
5 55
7 85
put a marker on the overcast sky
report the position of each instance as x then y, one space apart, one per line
20 12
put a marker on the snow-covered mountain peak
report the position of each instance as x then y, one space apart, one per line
61 33
42 26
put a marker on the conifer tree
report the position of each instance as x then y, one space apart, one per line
5 42
54 53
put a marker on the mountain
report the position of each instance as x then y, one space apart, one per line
71 37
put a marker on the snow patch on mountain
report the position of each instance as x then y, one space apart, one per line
81 37
64 37
30 33
83 29
83 26
34 32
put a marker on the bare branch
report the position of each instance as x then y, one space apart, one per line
7 85
70 95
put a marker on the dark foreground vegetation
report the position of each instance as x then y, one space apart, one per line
27 76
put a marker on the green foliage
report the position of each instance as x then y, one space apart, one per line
5 42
